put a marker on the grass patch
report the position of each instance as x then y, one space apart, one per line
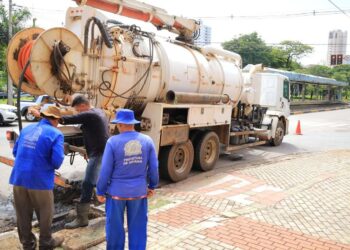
24 98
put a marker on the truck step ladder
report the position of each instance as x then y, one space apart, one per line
254 132
250 132
247 145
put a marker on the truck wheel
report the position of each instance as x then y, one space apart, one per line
279 134
29 117
207 148
176 161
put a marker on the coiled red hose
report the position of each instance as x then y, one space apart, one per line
23 57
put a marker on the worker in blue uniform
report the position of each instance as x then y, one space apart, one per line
38 152
128 176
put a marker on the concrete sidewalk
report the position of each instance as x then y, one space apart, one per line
297 111
295 202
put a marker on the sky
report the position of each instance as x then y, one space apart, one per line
307 21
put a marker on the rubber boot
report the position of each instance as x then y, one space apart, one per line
55 242
82 219
72 214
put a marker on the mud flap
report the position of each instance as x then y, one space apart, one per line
269 123
274 121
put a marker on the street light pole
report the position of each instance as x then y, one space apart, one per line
9 80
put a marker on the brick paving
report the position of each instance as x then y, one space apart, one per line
249 234
298 202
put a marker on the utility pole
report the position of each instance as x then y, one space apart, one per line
9 80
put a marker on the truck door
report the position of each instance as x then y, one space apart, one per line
286 97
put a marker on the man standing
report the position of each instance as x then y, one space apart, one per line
95 134
128 163
38 152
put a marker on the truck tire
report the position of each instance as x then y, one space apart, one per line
29 117
206 151
279 134
175 162
1 120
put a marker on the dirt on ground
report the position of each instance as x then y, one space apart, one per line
64 199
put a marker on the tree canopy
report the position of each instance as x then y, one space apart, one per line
19 18
251 48
254 50
339 72
293 51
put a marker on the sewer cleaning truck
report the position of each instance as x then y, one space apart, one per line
192 101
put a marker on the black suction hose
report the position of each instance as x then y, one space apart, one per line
112 21
105 36
19 87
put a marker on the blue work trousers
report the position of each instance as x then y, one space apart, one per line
90 179
136 211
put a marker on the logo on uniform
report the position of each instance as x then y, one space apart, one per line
30 140
132 148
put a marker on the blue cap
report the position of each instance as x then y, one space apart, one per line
125 116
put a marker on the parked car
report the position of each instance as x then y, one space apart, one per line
3 95
8 114
42 100
23 94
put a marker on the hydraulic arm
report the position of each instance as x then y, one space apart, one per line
186 28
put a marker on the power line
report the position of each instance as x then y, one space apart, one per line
267 16
285 15
279 44
339 8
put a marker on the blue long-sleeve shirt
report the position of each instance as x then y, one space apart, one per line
129 162
38 152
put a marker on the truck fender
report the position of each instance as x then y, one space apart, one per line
274 121
270 123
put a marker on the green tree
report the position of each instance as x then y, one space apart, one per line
254 50
317 70
277 58
251 47
293 51
341 73
19 18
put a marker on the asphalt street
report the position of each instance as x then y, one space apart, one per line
320 131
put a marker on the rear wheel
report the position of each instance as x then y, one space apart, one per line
207 148
176 161
279 134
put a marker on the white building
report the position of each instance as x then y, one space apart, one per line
346 59
204 37
336 47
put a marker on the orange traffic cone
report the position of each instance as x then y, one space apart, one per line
298 130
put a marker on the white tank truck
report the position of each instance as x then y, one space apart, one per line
192 101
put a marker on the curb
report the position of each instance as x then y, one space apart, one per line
317 110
